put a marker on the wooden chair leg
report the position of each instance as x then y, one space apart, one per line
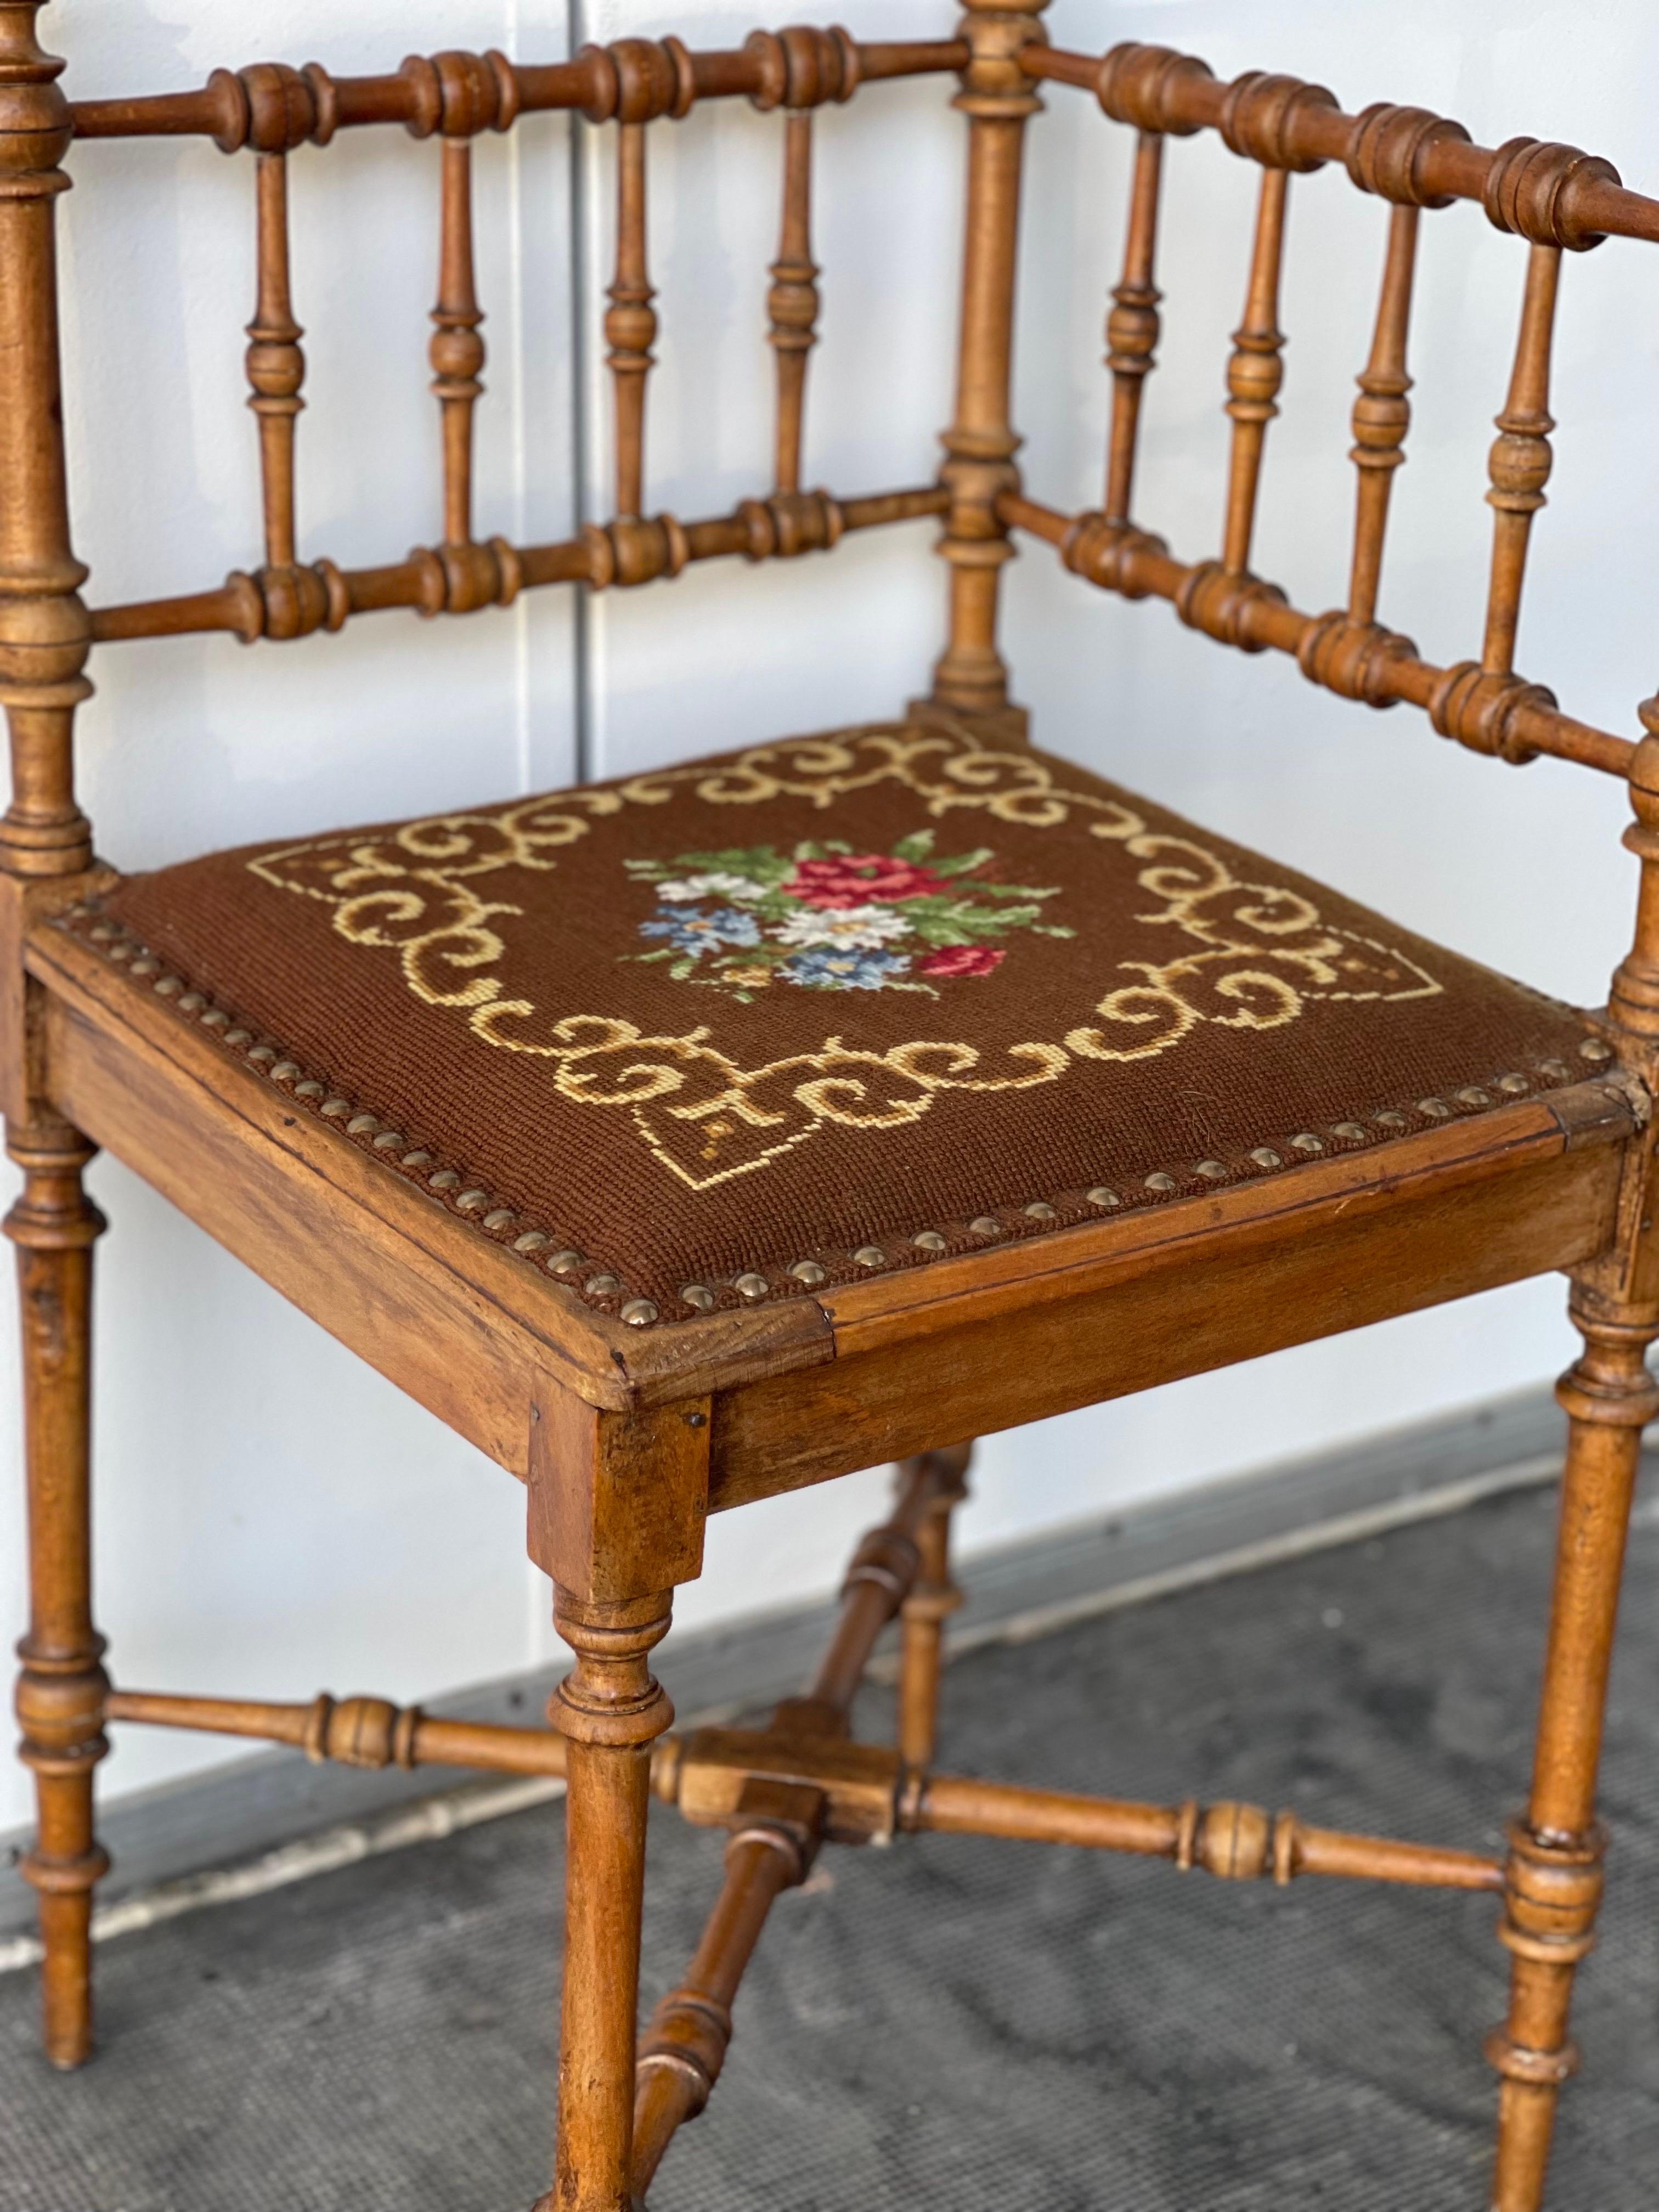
933 1597
610 1709
1553 1874
61 1686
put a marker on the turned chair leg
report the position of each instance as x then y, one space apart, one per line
1553 1873
933 1597
610 1709
61 1688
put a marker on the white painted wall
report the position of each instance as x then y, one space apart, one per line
271 1517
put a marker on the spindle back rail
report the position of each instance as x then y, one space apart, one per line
627 1438
273 110
1555 198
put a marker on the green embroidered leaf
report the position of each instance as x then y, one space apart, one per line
682 969
961 864
917 848
1017 890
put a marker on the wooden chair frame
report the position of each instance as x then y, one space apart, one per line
627 1434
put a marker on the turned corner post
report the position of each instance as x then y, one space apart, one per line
44 844
616 1507
45 631
62 1685
998 97
930 1599
1554 1875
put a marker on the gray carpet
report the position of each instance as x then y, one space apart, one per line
955 2023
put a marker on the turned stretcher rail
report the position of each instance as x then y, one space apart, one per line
353 1731
1555 195
1488 711
1235 1842
275 108
295 600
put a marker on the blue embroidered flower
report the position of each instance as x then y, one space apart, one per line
688 929
830 969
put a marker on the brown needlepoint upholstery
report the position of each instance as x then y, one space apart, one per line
802 1004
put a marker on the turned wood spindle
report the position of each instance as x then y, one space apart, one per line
1132 327
684 2048
609 1710
932 1599
276 364
1554 1871
1382 415
999 100
1254 372
1519 464
60 1690
631 323
792 304
44 629
457 350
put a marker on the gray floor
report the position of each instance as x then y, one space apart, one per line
955 2023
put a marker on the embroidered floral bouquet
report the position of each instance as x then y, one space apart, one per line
824 918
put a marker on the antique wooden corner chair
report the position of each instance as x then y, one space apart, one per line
1106 1100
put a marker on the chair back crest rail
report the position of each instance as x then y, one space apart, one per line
1555 199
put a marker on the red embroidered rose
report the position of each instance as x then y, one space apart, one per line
961 960
858 879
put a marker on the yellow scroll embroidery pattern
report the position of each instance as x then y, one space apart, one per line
1250 956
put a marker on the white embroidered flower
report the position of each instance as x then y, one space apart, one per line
864 927
715 886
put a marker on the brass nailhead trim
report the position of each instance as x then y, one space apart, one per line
752 1285
360 1122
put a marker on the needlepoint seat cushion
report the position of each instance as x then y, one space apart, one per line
719 1034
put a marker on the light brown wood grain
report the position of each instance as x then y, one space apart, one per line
629 1438
1363 1262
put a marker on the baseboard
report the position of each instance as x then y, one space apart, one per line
255 1806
